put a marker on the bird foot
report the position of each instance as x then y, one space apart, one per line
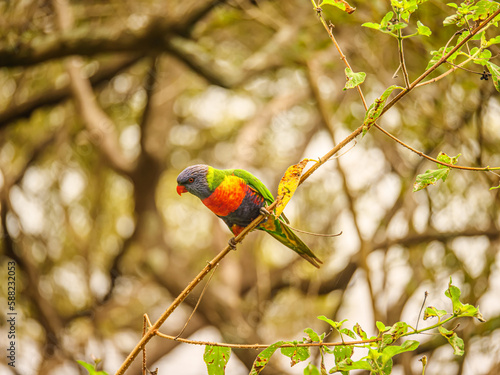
264 211
232 243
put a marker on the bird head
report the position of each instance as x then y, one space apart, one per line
193 180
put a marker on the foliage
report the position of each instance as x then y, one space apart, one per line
381 349
92 369
216 358
431 176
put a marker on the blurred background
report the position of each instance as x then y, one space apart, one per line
103 103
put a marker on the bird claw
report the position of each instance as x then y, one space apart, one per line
264 211
232 243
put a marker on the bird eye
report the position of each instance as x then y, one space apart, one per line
191 180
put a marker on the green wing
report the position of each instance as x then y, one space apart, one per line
255 183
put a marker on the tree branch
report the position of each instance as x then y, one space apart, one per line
154 36
52 96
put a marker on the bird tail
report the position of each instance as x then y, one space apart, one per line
287 237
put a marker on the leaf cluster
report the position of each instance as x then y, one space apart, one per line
381 348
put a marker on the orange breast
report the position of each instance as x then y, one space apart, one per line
227 197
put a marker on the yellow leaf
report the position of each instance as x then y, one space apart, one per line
288 184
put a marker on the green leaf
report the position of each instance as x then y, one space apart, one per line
359 331
310 369
454 293
422 29
388 25
391 351
376 108
296 353
358 365
263 358
381 327
437 55
216 358
432 176
348 332
494 40
353 79
451 20
431 312
460 309
341 4
312 335
91 368
484 9
372 25
386 19
334 324
395 332
495 74
456 342
407 7
342 352
447 159
481 57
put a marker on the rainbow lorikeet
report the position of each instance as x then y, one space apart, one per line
237 197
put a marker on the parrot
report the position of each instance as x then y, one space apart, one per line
238 197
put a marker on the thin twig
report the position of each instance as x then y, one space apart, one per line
144 329
421 308
147 320
420 153
444 74
197 303
402 62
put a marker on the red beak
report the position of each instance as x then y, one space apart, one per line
181 189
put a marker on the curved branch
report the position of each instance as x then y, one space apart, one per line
52 96
155 35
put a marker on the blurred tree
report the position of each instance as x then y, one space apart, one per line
102 103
